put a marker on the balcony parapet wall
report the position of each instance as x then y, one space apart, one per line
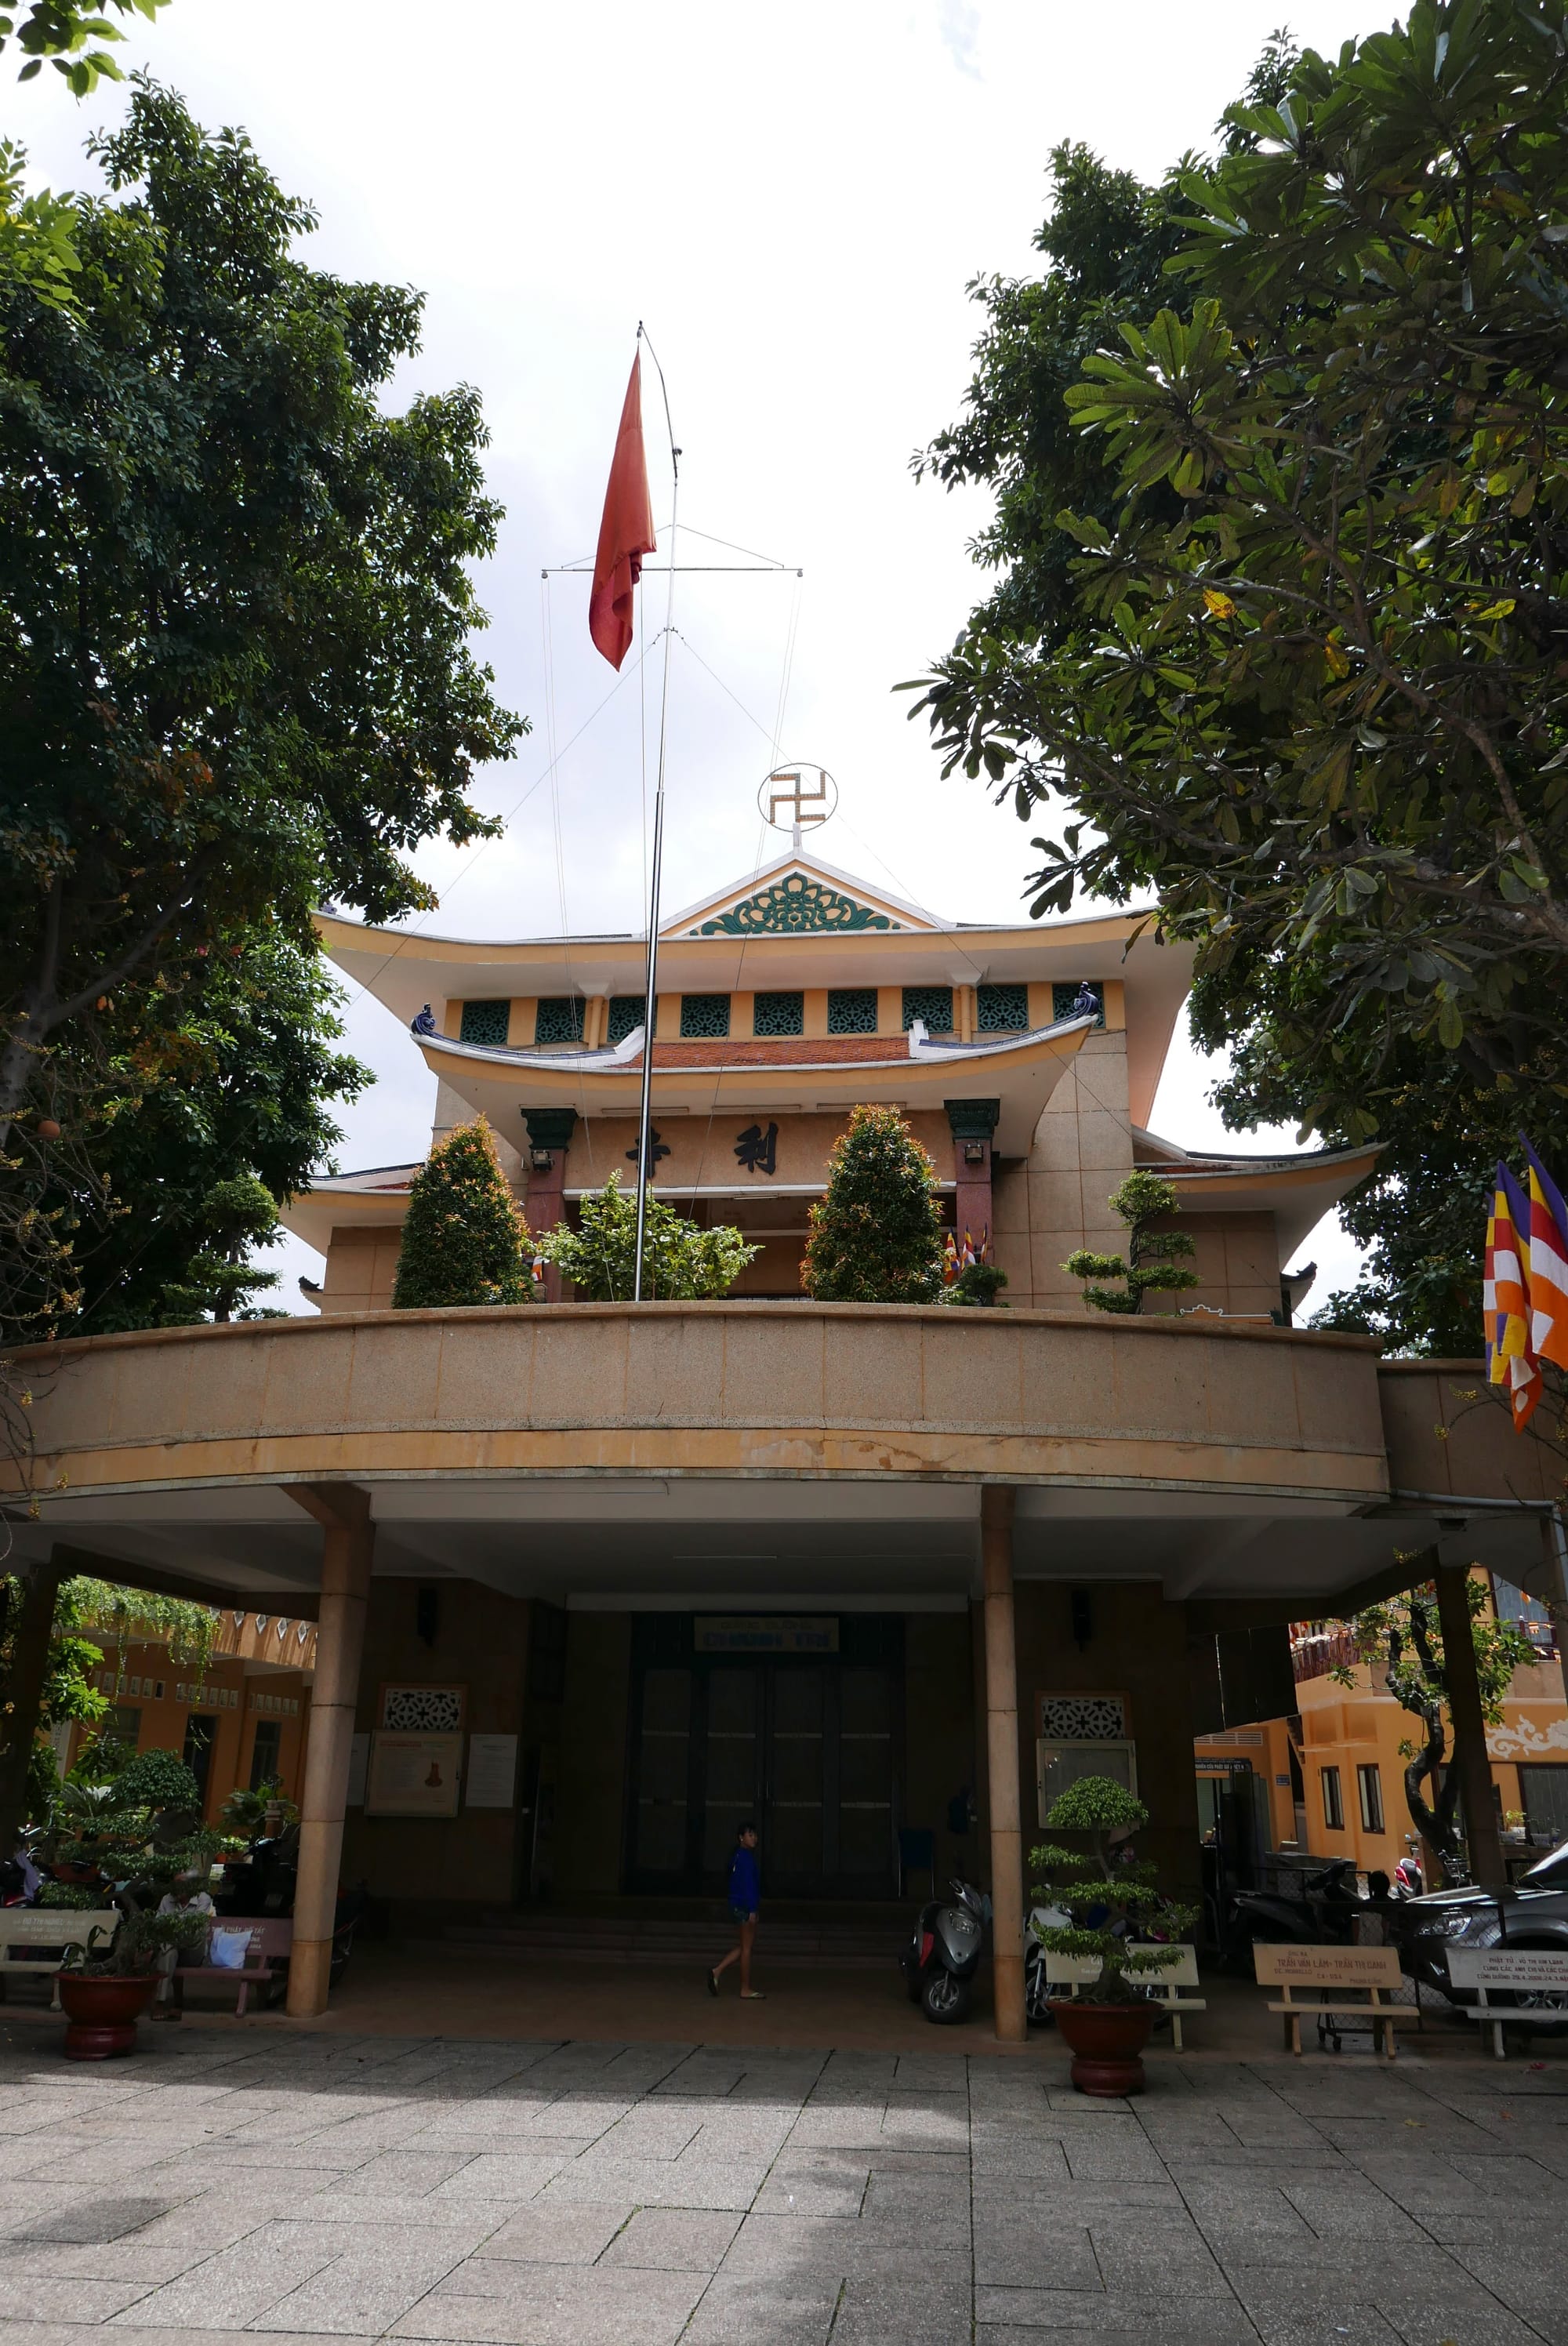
768 1390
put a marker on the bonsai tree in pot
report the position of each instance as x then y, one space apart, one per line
106 1985
1110 1895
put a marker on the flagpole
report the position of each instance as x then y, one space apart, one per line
650 1004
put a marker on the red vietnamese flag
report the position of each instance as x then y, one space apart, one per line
625 533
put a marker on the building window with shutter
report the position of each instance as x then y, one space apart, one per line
1333 1800
932 1003
779 1014
852 1010
485 1023
1370 1785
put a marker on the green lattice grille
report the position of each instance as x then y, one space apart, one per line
1000 1009
626 1012
1064 997
560 1018
779 1014
704 1016
486 1023
932 1003
852 1010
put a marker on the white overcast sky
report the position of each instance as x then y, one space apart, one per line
794 200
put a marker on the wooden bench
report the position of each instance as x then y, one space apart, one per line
266 1959
1178 1969
1515 1968
1348 1982
38 1927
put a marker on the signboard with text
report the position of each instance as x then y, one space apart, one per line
759 1633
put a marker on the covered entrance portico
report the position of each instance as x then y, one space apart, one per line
613 1576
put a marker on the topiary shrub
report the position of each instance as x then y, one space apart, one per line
1152 1256
876 1233
156 1779
464 1239
1107 1892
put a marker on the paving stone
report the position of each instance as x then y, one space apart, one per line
555 2305
1057 2315
673 2240
758 2310
365 2289
239 2284
565 2233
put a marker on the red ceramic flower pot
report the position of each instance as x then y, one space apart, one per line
1106 2041
102 2013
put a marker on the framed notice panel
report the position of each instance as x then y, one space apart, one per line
491 1771
412 1775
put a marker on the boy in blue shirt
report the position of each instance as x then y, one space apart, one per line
744 1896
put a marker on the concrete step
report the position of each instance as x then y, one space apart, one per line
619 1939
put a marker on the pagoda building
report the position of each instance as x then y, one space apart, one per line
1025 1058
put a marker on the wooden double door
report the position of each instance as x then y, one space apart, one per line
806 1749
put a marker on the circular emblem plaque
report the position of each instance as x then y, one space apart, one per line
798 796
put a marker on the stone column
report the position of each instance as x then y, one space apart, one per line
343 1513
972 1123
996 1510
1482 1839
25 1692
550 1133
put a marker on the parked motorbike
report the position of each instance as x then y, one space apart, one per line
942 1959
1327 1911
1407 1882
1036 1994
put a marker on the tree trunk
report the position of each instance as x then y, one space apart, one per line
24 1692
1471 1766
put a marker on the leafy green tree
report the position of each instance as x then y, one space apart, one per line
236 592
1106 1877
682 1262
464 1239
225 1069
876 1231
61 30
38 233
1319 708
1153 1256
219 1279
1404 1635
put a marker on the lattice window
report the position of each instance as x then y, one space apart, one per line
626 1012
852 1010
999 1009
559 1019
423 1709
486 1023
1064 1000
704 1016
932 1003
779 1014
1083 1718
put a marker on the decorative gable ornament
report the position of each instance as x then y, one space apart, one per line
796 904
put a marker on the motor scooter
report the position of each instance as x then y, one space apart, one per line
1327 1911
939 1963
1037 1994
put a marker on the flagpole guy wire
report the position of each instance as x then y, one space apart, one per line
650 1006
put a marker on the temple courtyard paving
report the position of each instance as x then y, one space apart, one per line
286 2185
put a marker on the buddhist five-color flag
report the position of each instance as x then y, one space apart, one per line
1509 1355
1525 1290
625 531
1547 1265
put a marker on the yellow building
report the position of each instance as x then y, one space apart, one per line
1334 1772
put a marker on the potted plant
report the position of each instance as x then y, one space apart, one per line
106 1987
1109 1894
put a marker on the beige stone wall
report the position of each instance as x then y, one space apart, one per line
1137 1648
481 1645
1055 1202
1236 1262
361 1267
